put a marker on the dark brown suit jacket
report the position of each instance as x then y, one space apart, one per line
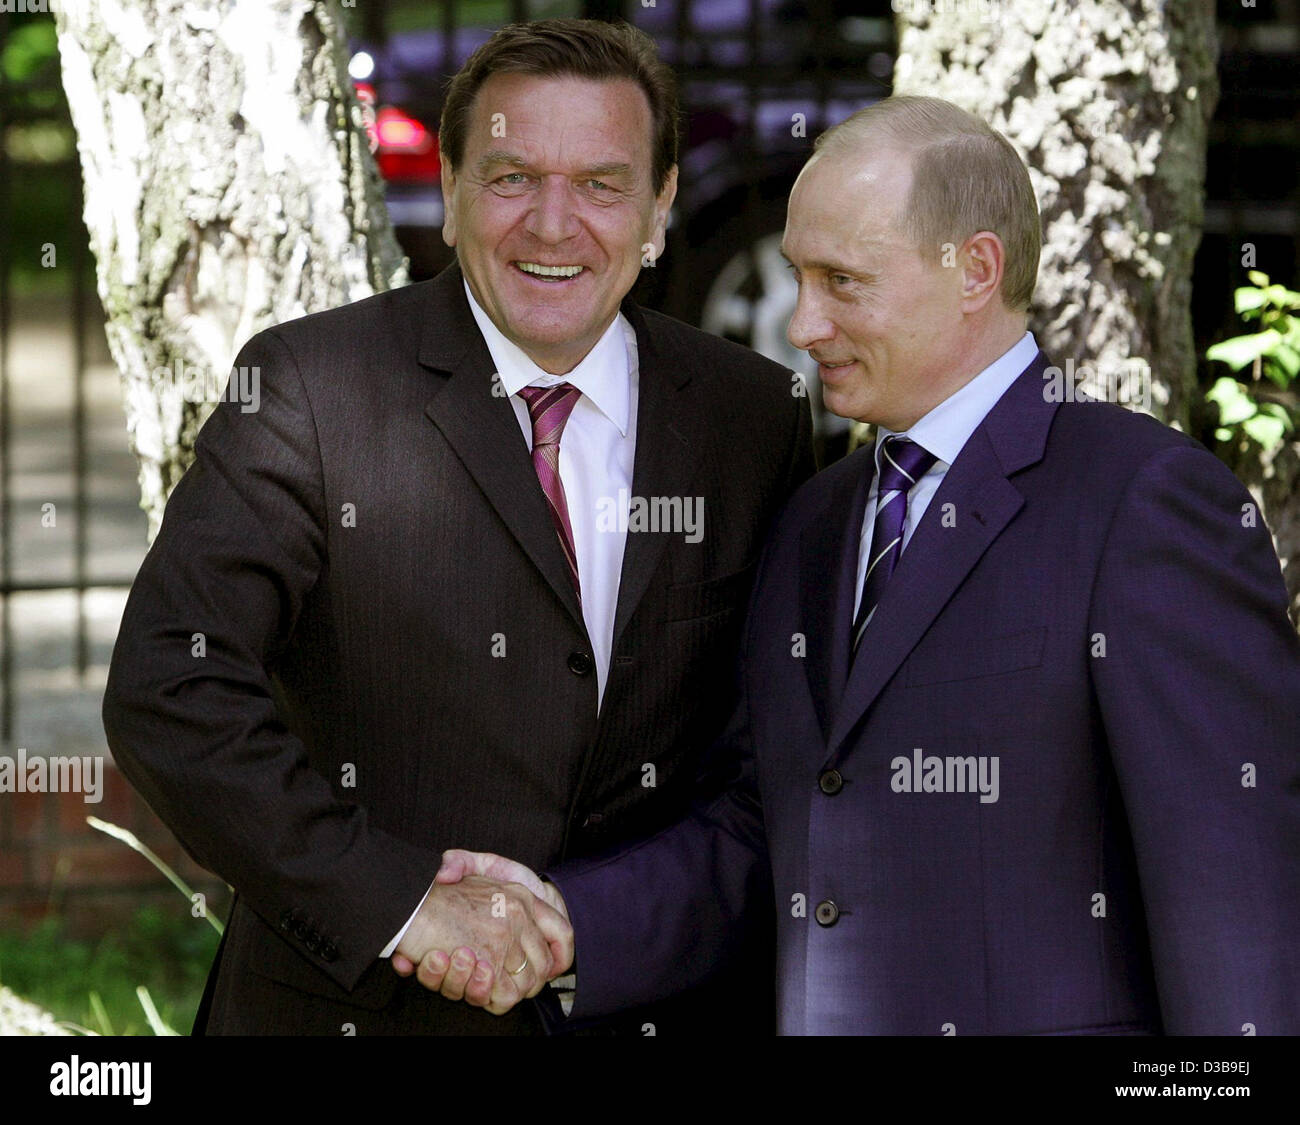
353 553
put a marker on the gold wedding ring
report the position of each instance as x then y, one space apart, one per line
516 972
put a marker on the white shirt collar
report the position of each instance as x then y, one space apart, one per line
602 375
945 430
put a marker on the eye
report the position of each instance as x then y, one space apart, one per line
512 178
840 279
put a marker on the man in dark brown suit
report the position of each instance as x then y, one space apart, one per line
471 576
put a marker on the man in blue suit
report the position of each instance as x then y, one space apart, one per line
1018 742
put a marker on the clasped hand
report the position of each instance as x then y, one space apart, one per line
489 932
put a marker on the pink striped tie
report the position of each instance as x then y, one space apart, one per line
549 408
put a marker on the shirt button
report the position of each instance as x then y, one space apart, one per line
830 782
580 663
827 913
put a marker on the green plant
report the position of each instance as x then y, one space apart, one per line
30 48
146 977
1255 409
166 950
132 841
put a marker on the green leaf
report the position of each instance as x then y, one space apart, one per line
1265 429
1278 411
100 1013
133 841
1241 350
156 1022
1247 298
30 47
1285 365
1281 297
1257 277
1235 404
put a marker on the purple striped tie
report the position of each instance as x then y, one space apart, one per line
902 464
549 408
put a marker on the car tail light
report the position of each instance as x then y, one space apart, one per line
406 149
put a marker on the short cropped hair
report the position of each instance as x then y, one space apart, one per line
591 49
966 177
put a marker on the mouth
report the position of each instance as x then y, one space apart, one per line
550 275
831 372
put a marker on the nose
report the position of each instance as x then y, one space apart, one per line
808 326
553 216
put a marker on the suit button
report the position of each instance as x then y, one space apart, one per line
827 913
313 942
580 663
329 952
299 929
830 782
286 921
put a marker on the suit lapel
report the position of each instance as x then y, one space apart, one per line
668 441
938 558
828 569
483 430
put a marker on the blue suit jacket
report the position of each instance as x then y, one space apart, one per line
1091 606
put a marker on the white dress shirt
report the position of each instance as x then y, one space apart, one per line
597 453
944 431
597 450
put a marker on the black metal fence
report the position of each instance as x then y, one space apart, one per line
46 286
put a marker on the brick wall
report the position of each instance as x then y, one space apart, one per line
52 861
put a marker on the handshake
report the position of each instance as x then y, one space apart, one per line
489 932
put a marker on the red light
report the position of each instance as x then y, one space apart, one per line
407 151
400 131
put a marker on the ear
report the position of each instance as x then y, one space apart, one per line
448 204
982 261
663 206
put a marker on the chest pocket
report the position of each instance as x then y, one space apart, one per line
695 600
1011 652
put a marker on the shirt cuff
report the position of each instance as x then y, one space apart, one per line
566 988
391 947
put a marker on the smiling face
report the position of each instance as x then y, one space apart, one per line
884 323
550 216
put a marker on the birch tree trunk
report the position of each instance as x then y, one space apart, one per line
1109 102
229 185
